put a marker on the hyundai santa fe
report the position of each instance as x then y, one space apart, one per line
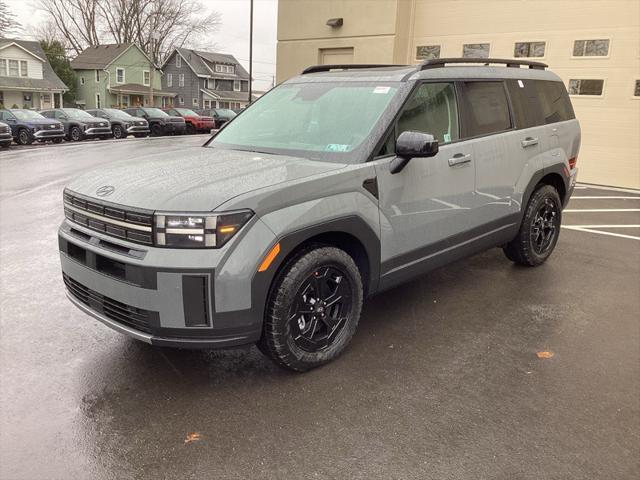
340 183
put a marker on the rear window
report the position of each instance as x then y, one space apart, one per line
554 101
487 109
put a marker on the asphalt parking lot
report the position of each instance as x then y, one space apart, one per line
443 379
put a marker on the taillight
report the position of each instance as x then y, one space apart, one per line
572 162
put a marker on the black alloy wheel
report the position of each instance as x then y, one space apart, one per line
321 309
544 226
75 134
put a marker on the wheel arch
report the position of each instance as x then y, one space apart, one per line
557 176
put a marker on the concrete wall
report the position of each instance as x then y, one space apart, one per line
389 31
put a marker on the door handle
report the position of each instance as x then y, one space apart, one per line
459 159
529 141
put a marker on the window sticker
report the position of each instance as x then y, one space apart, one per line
381 90
337 147
520 83
446 137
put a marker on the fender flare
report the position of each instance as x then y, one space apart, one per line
558 168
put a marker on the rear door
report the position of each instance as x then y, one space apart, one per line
425 205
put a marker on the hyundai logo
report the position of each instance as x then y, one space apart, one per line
105 190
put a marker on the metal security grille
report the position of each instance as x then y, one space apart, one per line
127 315
134 225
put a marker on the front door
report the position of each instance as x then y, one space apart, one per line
426 206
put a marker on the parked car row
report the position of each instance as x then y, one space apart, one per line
73 124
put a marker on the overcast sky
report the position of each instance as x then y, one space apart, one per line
233 36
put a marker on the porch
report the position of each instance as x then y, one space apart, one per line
136 95
37 100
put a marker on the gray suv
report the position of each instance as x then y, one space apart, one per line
338 184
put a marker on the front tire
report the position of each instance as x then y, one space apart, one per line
156 130
118 132
313 309
539 230
24 137
190 129
75 134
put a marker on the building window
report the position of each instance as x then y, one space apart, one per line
231 69
225 68
529 49
636 90
3 67
586 87
236 85
81 80
23 68
125 101
178 61
14 69
475 50
169 80
194 101
591 48
181 100
425 52
98 103
146 78
97 76
181 79
119 75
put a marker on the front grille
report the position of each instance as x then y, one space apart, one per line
176 120
132 317
5 130
134 225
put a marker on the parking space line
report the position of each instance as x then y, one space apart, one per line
601 210
604 197
584 186
603 226
598 232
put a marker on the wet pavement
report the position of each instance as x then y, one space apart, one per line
441 381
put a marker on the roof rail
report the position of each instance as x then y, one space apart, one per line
441 62
326 68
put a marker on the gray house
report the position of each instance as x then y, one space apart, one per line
205 80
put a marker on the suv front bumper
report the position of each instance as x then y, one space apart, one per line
196 298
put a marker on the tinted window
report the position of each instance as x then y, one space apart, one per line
431 109
487 108
525 104
554 101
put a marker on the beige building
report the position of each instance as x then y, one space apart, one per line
594 46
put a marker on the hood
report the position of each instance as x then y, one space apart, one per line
194 178
41 121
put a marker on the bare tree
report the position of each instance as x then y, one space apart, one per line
8 23
157 26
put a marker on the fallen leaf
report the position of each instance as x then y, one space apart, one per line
192 437
544 354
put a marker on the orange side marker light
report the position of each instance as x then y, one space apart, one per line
273 253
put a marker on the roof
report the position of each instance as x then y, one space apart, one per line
49 82
101 56
136 88
203 63
228 95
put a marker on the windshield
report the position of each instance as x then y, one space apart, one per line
26 114
155 112
319 119
225 112
186 111
117 113
76 113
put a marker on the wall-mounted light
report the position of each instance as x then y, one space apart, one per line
335 22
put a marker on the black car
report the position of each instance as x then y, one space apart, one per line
79 124
28 126
5 135
220 115
122 124
160 123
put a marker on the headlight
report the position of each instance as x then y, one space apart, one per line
196 230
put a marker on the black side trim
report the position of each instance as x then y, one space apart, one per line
195 294
404 267
371 186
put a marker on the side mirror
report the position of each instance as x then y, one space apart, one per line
412 144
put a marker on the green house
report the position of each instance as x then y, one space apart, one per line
118 76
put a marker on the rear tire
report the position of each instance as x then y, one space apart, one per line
57 140
190 129
313 309
539 230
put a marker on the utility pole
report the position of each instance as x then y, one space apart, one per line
250 48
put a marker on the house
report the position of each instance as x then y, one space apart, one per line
205 80
118 75
26 77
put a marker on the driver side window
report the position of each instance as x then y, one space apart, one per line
432 109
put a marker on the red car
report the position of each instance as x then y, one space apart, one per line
195 123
